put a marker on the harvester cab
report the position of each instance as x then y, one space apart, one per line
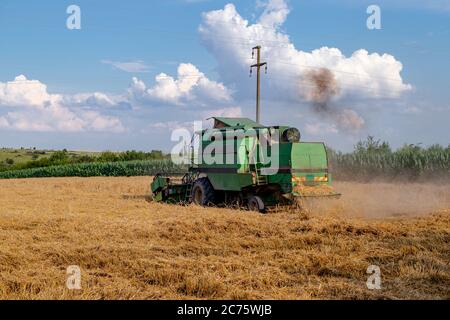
243 163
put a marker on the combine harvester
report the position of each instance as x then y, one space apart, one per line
247 179
255 166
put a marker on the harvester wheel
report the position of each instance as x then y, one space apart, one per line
255 203
203 193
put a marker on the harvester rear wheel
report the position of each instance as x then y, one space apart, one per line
203 193
255 203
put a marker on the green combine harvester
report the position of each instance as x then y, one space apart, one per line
241 174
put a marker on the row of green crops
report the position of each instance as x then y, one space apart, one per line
372 159
106 169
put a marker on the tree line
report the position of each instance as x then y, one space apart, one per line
64 157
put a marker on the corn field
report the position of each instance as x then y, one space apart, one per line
106 169
372 159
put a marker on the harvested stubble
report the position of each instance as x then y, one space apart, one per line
129 248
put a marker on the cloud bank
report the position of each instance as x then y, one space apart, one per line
29 107
323 82
360 75
26 105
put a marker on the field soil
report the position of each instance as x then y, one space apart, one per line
128 247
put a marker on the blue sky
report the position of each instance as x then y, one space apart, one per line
95 88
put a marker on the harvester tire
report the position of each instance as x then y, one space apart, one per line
255 203
203 193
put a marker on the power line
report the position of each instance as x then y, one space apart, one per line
350 86
302 84
331 69
254 41
280 76
248 41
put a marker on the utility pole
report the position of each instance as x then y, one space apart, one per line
258 66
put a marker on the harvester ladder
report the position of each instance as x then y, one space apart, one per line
188 195
192 177
260 178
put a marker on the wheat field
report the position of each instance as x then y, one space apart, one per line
128 247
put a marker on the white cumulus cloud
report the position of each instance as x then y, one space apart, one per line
323 82
26 105
190 86
275 13
362 74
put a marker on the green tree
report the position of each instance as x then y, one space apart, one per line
108 156
59 156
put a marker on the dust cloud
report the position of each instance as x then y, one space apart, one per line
384 200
